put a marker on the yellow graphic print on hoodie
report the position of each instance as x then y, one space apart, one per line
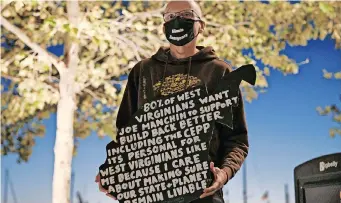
175 83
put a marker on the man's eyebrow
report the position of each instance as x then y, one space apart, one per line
163 12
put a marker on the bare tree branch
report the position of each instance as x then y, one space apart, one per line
34 46
92 94
20 79
4 3
134 47
306 61
12 78
71 48
116 82
128 17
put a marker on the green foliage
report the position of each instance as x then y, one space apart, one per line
334 110
111 44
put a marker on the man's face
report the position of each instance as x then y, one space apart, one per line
185 9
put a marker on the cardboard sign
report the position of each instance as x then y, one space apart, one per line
162 155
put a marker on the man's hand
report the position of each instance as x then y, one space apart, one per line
97 180
220 178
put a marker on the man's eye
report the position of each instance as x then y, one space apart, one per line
168 16
187 14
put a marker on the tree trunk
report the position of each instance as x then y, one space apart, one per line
63 150
64 144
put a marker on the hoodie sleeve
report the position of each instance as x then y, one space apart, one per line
129 101
234 144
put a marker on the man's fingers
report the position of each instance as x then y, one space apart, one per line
214 187
109 195
97 178
222 176
105 191
101 188
210 190
207 194
214 170
218 183
212 166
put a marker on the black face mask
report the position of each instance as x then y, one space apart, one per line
180 31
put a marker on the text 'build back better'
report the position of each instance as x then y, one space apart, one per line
163 155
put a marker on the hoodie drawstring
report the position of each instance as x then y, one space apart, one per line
165 69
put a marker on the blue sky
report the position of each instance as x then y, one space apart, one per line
284 131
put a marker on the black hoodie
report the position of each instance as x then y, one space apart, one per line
228 148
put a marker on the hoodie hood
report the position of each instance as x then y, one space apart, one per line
205 53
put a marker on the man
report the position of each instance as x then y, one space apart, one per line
183 65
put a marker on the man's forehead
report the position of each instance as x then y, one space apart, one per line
175 6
